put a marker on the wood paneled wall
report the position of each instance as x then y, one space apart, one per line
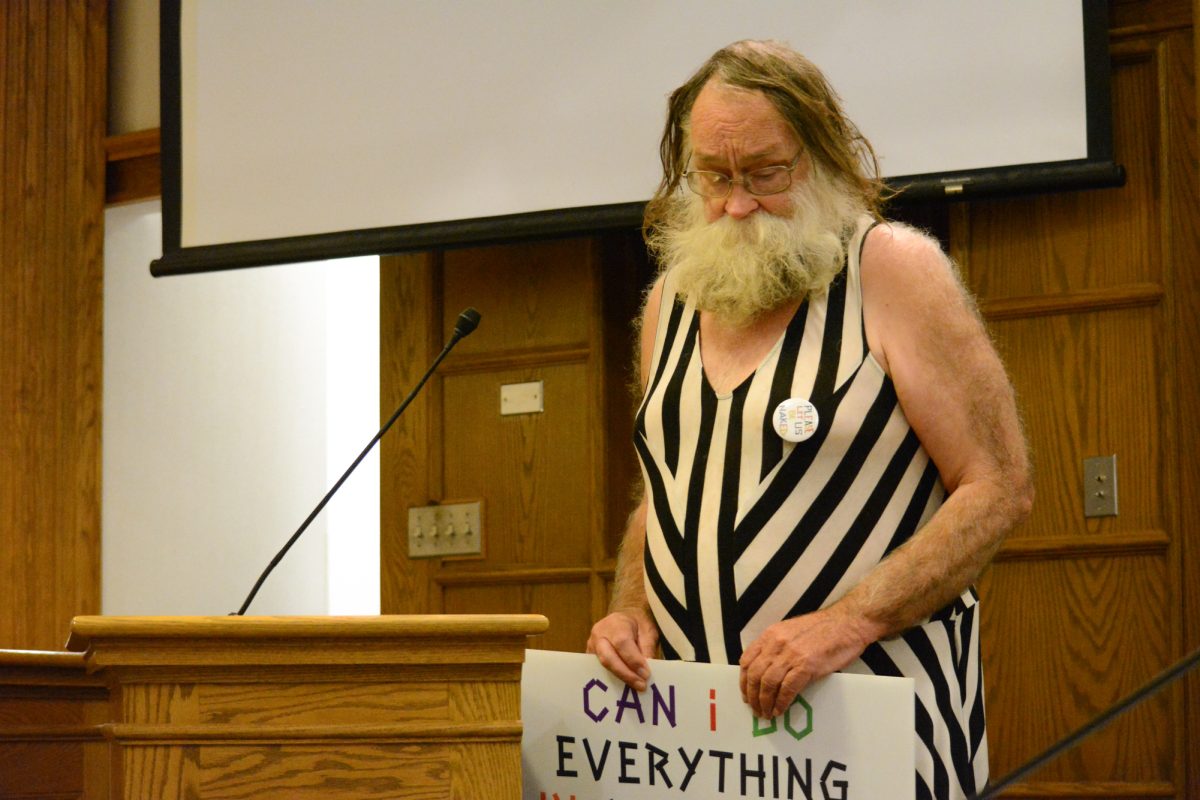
1092 298
555 485
52 114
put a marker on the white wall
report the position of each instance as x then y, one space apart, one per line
232 401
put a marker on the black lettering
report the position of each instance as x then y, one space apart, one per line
760 773
721 756
691 767
627 762
564 756
842 786
597 768
794 778
658 761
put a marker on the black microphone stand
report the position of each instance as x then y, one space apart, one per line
468 320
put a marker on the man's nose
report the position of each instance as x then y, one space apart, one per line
740 203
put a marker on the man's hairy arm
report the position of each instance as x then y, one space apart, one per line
627 636
923 330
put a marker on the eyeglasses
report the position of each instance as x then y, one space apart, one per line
760 182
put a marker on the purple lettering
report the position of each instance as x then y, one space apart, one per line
587 706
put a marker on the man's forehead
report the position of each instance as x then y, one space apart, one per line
722 112
777 152
720 101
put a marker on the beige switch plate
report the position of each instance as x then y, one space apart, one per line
522 398
449 529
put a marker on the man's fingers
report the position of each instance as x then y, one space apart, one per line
611 659
768 692
746 662
793 683
751 685
630 652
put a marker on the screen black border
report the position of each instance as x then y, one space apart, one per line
1096 171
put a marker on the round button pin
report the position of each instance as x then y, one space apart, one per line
796 419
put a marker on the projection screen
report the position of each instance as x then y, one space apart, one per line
296 130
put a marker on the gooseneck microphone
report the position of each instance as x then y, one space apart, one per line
467 321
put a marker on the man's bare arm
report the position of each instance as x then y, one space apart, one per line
924 332
627 636
958 398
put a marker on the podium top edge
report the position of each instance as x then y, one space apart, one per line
84 629
49 659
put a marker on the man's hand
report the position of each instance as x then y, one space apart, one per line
791 654
623 641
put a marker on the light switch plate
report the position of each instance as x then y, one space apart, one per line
449 529
1100 486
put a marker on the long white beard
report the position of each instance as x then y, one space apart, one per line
738 269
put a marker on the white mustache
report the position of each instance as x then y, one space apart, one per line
738 269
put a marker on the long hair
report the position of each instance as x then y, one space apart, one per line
804 99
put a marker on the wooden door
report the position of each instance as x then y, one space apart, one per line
555 485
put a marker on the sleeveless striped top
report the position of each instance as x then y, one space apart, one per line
745 529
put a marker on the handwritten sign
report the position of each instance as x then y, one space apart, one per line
590 737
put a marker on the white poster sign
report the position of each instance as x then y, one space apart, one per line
590 737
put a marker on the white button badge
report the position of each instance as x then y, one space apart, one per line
796 419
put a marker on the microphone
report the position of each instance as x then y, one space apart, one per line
467 321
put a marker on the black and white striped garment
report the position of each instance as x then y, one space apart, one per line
745 529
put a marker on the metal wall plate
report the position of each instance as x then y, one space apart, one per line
1100 486
449 529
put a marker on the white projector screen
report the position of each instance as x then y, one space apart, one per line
303 129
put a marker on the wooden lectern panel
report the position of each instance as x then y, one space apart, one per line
51 734
308 707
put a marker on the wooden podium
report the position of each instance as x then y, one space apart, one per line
304 707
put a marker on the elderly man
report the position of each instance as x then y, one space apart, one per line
830 446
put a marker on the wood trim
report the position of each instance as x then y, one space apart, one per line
50 733
367 672
1134 295
408 464
1132 543
85 631
513 576
125 146
1155 29
412 732
133 166
1184 207
52 112
516 359
1091 789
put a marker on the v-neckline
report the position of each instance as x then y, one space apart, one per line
774 349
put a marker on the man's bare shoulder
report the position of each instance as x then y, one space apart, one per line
912 294
648 328
895 252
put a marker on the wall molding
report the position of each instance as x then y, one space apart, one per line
1132 295
1091 789
133 166
1130 543
494 577
516 359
